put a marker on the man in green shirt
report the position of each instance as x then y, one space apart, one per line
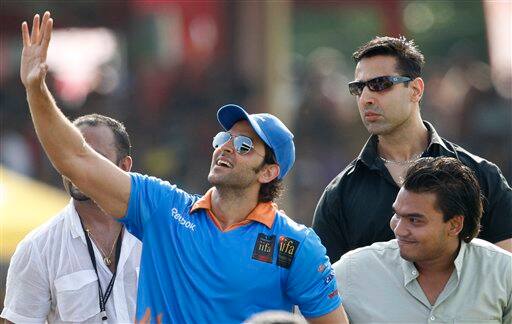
435 270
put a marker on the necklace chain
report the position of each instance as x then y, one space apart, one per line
106 258
412 160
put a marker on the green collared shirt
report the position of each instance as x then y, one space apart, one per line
356 206
378 286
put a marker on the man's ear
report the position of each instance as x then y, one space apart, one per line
417 86
456 224
126 163
268 173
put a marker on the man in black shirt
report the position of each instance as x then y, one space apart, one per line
355 208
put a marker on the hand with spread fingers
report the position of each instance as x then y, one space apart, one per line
35 47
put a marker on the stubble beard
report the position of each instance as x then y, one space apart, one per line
380 127
74 192
233 182
78 195
420 254
228 182
407 257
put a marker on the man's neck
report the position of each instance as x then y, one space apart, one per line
103 229
434 274
232 206
406 142
94 218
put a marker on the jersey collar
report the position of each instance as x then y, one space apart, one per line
264 212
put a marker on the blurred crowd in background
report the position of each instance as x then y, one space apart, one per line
164 68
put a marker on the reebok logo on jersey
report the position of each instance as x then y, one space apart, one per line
182 221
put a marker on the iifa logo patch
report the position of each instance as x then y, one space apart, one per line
264 248
287 249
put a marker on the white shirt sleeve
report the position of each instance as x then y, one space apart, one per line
27 297
342 271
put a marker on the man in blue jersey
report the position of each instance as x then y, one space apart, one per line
217 258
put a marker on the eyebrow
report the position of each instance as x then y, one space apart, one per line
408 215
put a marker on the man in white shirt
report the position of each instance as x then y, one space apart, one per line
435 270
53 275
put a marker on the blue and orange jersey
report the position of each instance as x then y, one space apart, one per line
193 271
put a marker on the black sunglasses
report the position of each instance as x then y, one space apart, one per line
242 144
376 84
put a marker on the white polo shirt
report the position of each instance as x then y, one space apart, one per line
51 277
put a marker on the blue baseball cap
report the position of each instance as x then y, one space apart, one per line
269 128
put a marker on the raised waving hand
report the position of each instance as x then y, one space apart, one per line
97 177
35 48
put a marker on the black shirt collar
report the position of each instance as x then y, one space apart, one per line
370 157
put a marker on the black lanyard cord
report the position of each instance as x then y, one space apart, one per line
103 297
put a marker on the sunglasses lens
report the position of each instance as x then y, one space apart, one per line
379 84
243 144
355 88
220 139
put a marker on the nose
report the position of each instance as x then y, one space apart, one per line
228 146
398 226
393 222
367 97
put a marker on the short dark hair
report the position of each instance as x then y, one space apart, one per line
122 139
272 190
409 58
456 188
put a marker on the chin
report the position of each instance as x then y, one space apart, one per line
407 257
214 179
409 253
372 128
78 195
376 129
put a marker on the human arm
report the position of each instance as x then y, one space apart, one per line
497 216
328 224
94 174
311 283
336 316
505 244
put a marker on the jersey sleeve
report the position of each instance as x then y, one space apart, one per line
146 196
312 283
27 297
